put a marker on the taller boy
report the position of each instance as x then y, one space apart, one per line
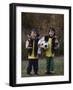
32 46
50 51
50 45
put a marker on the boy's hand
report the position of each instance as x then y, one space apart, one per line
56 41
29 48
56 44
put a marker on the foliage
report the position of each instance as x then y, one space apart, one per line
42 22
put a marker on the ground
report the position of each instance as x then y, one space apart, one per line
58 67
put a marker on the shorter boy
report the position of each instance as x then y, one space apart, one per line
32 47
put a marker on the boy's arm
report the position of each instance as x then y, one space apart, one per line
57 44
27 45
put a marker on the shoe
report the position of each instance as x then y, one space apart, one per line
50 73
36 73
29 73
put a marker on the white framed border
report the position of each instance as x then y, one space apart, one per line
19 79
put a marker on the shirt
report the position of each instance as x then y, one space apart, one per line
49 50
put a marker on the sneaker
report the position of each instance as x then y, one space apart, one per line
29 73
52 72
49 73
36 73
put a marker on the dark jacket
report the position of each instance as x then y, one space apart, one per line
53 43
35 46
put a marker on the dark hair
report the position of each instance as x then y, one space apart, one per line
37 33
34 30
52 29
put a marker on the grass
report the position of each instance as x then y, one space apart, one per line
58 67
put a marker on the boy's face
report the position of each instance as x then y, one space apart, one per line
51 33
33 34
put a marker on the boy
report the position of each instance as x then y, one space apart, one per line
50 46
32 46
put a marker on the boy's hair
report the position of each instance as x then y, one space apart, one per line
52 29
34 30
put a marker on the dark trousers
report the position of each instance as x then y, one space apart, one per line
32 64
50 64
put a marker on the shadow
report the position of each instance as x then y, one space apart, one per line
7 84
